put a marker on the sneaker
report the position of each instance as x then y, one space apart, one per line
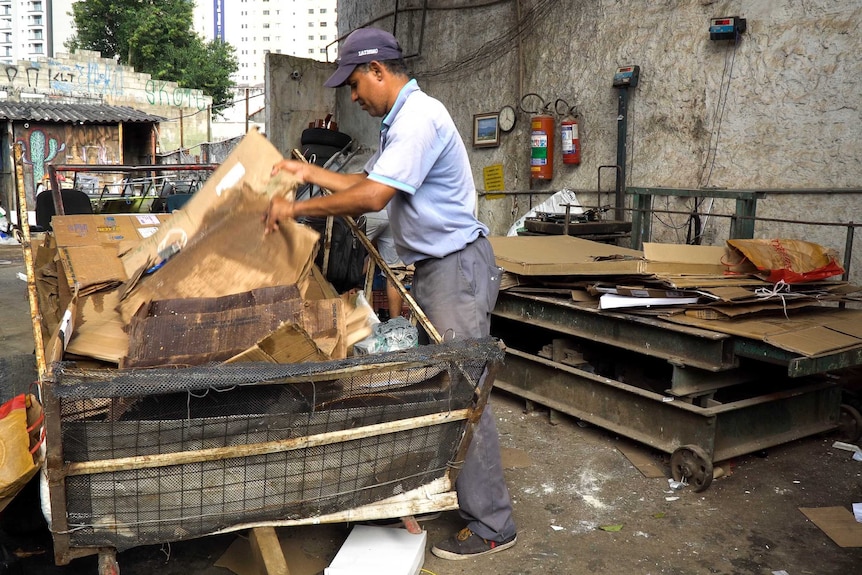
465 544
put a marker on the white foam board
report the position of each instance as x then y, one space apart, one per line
372 550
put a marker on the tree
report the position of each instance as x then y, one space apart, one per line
156 37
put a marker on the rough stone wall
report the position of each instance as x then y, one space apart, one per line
780 109
86 77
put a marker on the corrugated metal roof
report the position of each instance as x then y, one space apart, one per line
73 113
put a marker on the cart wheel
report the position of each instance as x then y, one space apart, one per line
850 423
690 463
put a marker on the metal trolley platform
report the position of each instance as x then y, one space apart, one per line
699 395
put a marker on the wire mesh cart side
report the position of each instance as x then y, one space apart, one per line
138 457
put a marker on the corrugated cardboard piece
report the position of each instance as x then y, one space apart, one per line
114 229
838 523
568 255
250 164
193 331
230 254
807 332
100 332
89 245
288 344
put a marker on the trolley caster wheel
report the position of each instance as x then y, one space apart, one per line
849 423
689 463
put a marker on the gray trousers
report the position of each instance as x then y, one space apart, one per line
457 293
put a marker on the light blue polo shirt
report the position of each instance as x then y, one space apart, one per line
422 155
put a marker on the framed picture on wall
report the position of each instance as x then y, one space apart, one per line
486 130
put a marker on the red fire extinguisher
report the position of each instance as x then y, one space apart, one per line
542 147
571 142
570 138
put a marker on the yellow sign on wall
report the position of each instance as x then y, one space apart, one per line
493 176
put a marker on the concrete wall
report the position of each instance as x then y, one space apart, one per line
295 96
778 109
86 77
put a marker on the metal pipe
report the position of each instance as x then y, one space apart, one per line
141 168
24 226
56 192
756 218
622 135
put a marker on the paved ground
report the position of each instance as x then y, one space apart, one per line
567 481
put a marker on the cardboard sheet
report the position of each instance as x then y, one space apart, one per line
230 255
836 522
194 331
92 268
642 460
250 163
808 332
113 229
290 343
568 255
99 332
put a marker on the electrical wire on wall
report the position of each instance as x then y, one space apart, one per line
694 226
491 51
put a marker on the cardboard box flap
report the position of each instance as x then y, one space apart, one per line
92 268
290 343
686 254
114 229
685 259
836 522
250 163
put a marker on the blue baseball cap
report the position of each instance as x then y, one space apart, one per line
361 47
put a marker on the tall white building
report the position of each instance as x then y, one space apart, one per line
32 29
303 28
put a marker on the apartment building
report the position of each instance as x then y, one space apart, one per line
31 29
304 28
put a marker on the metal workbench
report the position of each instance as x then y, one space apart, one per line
699 395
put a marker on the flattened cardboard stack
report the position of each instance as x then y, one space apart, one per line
201 285
704 286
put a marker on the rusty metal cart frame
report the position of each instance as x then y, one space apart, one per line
103 535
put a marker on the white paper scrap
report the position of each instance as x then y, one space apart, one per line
846 446
613 301
857 456
671 498
557 528
857 512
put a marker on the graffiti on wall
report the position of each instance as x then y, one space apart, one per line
161 93
68 78
45 144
